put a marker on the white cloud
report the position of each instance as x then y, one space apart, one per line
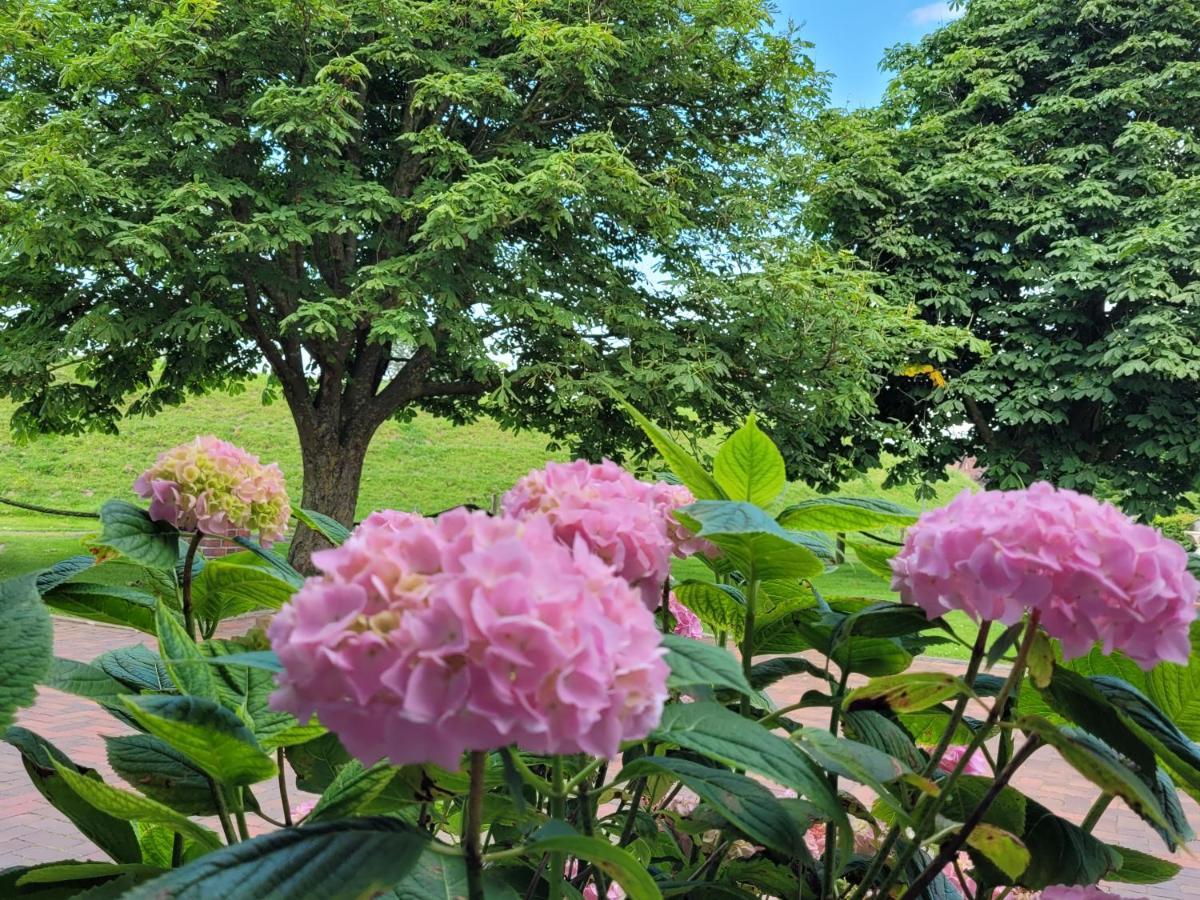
933 13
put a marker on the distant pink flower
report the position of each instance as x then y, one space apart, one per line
214 487
591 892
976 765
627 523
425 638
1091 572
687 623
1074 892
302 809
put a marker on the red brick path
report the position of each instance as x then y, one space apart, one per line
32 831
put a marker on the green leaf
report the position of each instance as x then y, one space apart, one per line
1041 660
254 659
1001 848
353 858
883 619
720 607
694 662
743 802
1006 812
766 673
753 541
137 667
438 876
1142 868
714 731
161 772
875 558
316 762
844 514
209 735
1080 701
802 630
749 466
277 564
83 680
1097 763
113 604
133 807
224 589
329 528
190 673
876 730
25 644
352 790
691 473
908 692
1061 852
130 531
86 871
111 834
850 759
614 862
61 571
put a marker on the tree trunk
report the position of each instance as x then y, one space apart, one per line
332 474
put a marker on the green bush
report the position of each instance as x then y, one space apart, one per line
1177 525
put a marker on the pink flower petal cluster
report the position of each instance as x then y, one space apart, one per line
626 522
976 765
425 638
687 623
1074 892
1092 573
212 486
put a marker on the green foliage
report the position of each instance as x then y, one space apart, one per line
25 644
1031 171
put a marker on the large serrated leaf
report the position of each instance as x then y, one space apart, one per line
25 644
749 466
212 737
130 531
112 604
83 680
691 473
693 662
845 514
190 673
329 528
752 540
162 773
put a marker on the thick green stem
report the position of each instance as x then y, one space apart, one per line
218 794
189 559
474 826
835 719
283 793
558 808
176 850
748 637
1097 810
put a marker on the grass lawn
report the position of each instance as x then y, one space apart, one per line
424 465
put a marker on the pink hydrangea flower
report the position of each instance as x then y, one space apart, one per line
976 765
214 487
425 638
687 623
1092 573
627 523
1075 892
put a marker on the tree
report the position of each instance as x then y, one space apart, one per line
399 205
1033 172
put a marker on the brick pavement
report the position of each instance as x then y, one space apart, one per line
32 831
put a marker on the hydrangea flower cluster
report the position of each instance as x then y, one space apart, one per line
1092 573
1072 892
424 638
687 623
212 486
976 765
626 522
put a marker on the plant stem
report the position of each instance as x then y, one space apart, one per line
835 718
950 848
1097 810
931 806
631 817
665 607
558 806
583 775
748 637
283 794
474 856
189 559
223 812
176 850
539 784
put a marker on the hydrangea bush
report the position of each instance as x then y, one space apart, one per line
573 697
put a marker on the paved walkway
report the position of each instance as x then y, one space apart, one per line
31 831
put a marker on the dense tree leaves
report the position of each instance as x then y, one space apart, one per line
1032 171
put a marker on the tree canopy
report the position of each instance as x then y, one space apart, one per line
1034 173
448 205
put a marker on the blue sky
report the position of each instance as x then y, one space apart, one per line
851 35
